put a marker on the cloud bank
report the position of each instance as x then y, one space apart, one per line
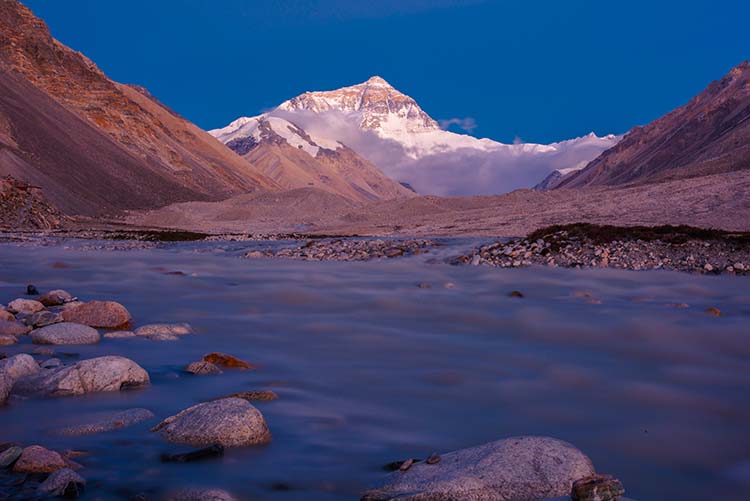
460 172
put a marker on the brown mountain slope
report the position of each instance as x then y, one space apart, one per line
709 135
194 164
290 156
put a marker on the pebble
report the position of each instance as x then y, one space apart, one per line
7 340
7 316
43 318
348 250
27 306
225 360
65 333
713 311
52 363
203 368
196 494
597 488
100 314
10 455
516 294
13 328
56 297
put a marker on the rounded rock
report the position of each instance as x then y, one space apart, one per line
196 494
514 468
43 319
65 333
231 422
225 360
119 334
63 483
18 366
13 328
164 329
100 314
202 368
7 316
110 373
27 306
7 340
37 459
56 297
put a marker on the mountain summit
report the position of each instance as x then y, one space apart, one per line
384 109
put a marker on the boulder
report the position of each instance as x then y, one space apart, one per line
65 333
164 329
37 459
514 468
8 328
110 373
163 337
7 316
27 306
201 368
111 422
18 366
230 422
100 314
43 318
255 395
225 360
64 483
56 297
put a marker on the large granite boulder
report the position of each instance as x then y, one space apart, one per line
100 314
37 459
230 422
65 333
110 373
18 366
62 483
519 468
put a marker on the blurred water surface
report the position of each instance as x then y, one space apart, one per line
372 368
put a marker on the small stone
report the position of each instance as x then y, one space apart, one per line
476 260
516 294
713 311
597 488
681 305
7 340
27 306
13 328
18 366
10 455
708 267
7 316
213 451
225 360
52 363
65 333
47 352
230 422
202 368
100 314
433 459
739 266
163 337
424 285
56 297
119 334
161 329
255 395
254 254
200 495
406 464
64 483
31 290
37 459
115 421
43 318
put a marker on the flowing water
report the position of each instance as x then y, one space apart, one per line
370 368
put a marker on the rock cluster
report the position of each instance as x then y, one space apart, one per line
565 249
349 250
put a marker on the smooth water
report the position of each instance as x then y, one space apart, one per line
370 368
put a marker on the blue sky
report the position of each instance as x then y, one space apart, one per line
541 70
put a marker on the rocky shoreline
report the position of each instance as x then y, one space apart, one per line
640 248
349 250
528 467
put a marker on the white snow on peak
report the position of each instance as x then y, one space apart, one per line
257 128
